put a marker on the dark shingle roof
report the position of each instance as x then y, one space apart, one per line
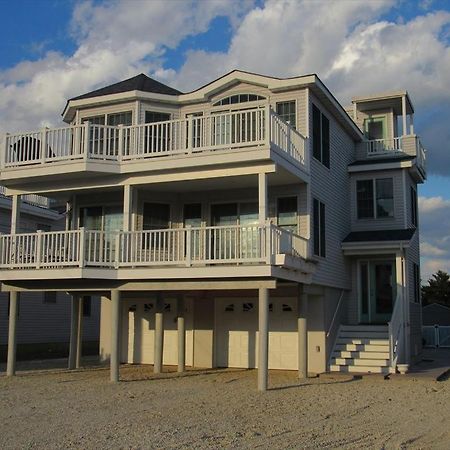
140 82
380 160
380 235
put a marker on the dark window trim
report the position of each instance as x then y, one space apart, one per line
321 136
319 228
374 196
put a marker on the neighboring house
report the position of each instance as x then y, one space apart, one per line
44 317
435 314
252 222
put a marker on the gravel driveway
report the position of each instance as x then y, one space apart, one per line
219 409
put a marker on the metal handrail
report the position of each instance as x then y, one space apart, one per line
338 306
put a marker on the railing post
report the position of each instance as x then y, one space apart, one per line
269 239
38 248
117 250
190 134
43 145
77 141
82 247
121 142
268 124
188 246
86 137
4 157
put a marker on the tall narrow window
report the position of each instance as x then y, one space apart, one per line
319 228
321 136
413 206
287 213
157 137
364 199
385 197
286 110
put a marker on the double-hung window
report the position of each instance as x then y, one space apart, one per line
321 136
286 110
287 213
375 198
319 228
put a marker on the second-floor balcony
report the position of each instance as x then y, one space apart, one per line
116 147
38 255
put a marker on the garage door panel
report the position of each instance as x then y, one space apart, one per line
237 335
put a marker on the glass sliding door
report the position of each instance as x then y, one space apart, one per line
249 237
377 291
223 240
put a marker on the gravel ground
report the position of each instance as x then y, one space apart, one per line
218 409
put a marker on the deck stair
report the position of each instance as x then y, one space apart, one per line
361 349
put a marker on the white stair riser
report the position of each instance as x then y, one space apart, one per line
359 369
360 362
348 340
361 355
362 347
364 334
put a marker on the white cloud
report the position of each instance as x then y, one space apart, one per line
115 41
434 222
431 204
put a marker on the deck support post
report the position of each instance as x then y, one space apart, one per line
127 207
262 198
302 313
181 332
404 130
159 335
73 332
79 351
263 340
12 333
115 328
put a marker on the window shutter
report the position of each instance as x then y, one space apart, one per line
322 230
316 133
325 141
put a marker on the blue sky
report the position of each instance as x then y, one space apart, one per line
51 50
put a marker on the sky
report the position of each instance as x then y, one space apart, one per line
52 50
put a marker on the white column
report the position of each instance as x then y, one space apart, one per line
159 335
181 331
68 214
79 352
262 198
263 339
115 328
75 213
73 332
12 333
127 207
404 130
302 325
401 285
15 214
411 123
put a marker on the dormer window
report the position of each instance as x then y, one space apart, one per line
239 98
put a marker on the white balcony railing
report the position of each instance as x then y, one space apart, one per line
222 131
176 247
377 147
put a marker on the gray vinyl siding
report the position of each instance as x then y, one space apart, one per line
41 322
415 309
331 187
385 223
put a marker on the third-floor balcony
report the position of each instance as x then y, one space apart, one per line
230 137
401 146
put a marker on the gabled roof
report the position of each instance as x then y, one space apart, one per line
380 235
140 82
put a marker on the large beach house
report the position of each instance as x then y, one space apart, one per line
253 222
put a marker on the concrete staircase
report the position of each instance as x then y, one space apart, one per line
361 348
